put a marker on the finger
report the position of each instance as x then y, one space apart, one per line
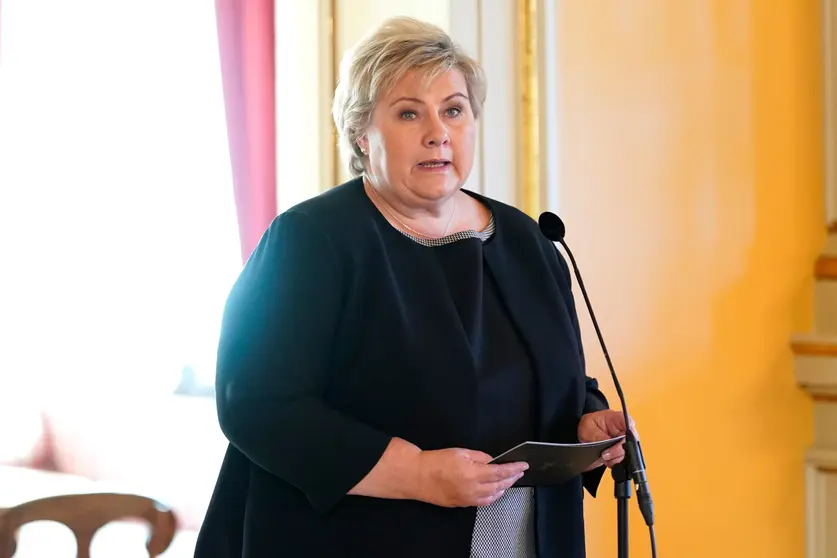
613 453
496 473
589 430
593 435
633 428
489 489
488 500
477 456
507 471
497 489
615 461
616 423
509 482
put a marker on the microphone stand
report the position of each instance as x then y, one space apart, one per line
633 465
634 462
622 492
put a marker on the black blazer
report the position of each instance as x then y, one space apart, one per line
341 333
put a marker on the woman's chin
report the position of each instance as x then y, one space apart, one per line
440 184
436 191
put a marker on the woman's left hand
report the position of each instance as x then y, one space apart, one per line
603 425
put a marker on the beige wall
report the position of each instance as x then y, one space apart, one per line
830 78
355 18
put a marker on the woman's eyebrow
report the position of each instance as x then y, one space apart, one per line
415 100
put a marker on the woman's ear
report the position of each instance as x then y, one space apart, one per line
363 144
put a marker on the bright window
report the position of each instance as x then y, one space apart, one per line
117 216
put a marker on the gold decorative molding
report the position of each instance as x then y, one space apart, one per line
529 76
820 390
481 134
816 365
824 460
814 348
335 74
826 268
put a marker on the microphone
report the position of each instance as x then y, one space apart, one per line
553 228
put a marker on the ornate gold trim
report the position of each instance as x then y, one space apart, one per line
335 74
529 76
814 348
826 268
481 134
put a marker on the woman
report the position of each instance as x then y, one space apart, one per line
386 338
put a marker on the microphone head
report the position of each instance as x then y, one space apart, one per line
552 226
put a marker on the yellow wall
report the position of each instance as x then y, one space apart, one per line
691 183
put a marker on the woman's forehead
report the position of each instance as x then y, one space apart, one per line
418 83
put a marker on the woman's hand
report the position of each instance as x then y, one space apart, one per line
603 425
457 477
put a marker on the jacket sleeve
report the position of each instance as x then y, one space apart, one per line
274 362
595 399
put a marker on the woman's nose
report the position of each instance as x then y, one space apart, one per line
437 133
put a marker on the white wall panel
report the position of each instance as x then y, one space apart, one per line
304 161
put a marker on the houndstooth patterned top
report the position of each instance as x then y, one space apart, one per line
506 528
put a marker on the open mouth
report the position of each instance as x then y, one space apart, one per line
434 163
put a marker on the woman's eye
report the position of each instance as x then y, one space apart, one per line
408 115
454 111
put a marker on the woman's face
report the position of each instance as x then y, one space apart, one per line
421 139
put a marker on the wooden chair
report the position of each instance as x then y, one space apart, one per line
85 514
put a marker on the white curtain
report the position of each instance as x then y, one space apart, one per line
117 219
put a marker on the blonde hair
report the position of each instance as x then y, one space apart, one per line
375 64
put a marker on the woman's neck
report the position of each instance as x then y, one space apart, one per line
429 219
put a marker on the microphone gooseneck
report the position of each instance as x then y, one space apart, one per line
553 228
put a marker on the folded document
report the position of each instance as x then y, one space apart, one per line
551 463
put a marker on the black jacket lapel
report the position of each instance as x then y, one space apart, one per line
537 308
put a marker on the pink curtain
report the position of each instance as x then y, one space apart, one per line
246 42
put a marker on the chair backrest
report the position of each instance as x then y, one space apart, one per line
85 514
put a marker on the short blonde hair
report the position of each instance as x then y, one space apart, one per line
375 64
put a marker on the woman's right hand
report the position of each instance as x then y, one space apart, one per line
457 477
